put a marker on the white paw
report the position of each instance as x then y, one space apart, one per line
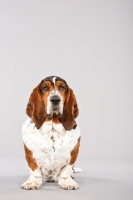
32 184
68 184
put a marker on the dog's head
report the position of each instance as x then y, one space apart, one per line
53 97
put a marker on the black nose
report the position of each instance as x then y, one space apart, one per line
55 100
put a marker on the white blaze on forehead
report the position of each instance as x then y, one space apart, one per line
54 80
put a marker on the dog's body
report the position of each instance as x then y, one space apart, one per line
52 145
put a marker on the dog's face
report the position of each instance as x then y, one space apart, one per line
53 97
53 91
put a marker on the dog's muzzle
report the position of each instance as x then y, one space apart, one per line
54 105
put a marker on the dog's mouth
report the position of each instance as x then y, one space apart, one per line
55 111
51 115
55 108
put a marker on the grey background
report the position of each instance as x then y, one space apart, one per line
89 43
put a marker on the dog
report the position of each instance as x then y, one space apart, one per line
50 135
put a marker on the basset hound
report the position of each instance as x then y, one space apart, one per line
50 135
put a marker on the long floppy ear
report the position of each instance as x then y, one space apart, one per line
70 111
35 109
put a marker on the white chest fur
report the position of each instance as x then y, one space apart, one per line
51 145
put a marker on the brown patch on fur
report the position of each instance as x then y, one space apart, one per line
44 94
74 153
63 91
56 120
70 111
35 109
47 119
30 160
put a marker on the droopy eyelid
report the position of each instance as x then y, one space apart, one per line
62 87
45 88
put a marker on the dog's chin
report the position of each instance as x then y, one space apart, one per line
55 112
49 115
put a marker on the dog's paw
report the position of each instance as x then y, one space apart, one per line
32 184
68 184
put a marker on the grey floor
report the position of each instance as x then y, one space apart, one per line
109 180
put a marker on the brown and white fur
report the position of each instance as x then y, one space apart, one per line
50 134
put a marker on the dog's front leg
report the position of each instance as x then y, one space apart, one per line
65 180
34 181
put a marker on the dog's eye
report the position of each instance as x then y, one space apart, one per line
62 88
46 88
